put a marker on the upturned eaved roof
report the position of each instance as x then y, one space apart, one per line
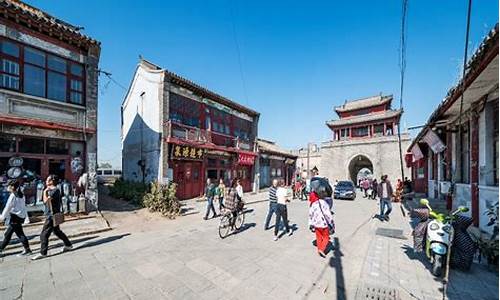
36 19
196 88
351 105
271 147
365 118
484 55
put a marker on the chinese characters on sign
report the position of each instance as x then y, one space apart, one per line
245 159
186 152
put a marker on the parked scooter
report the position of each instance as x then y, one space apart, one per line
439 236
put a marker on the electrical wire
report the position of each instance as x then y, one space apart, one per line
235 37
402 68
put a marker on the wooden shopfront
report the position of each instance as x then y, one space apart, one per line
192 166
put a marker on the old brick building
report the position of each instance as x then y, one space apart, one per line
174 129
48 96
364 138
456 165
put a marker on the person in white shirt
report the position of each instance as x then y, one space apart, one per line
281 211
239 189
14 215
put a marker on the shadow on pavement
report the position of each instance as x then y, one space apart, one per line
336 263
93 243
244 227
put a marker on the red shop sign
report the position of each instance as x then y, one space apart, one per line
245 159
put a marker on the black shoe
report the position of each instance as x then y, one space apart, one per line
386 217
205 218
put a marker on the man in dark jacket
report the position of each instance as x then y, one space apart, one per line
384 191
209 195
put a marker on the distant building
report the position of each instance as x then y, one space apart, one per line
305 158
174 129
461 166
364 141
48 98
274 163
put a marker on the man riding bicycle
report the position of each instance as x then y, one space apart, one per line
234 203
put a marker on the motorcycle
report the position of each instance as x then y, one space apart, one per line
439 236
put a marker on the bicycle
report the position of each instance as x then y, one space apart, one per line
225 222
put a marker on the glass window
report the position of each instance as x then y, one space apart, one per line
360 131
76 149
118 172
57 147
108 172
7 143
99 172
9 48
76 70
33 56
56 64
31 145
9 66
34 80
56 86
76 98
76 85
9 81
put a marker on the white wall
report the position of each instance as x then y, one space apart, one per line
488 196
141 115
462 197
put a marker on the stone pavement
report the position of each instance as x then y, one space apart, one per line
186 259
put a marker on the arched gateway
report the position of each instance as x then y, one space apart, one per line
360 166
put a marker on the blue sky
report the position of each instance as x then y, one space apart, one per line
298 59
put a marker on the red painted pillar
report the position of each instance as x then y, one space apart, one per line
448 157
474 165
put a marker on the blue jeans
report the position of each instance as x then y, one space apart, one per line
273 206
383 203
210 206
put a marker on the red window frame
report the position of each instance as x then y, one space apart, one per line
68 75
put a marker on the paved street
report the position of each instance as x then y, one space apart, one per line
186 259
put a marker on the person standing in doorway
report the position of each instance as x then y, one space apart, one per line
14 214
53 204
374 189
385 193
221 193
209 196
281 211
273 203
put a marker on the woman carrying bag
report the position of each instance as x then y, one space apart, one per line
53 218
320 216
14 214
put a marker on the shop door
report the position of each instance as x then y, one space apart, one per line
179 179
192 182
58 168
264 177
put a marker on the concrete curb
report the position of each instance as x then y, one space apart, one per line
66 220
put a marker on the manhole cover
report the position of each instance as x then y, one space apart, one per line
376 292
392 233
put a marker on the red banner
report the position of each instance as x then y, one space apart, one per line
246 159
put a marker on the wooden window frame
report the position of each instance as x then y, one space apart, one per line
68 75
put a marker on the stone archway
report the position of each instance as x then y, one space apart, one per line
360 165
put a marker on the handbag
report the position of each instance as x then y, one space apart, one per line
331 227
58 217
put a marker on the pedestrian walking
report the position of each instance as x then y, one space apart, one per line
14 215
52 200
366 185
385 193
281 211
209 196
374 188
221 193
273 203
239 188
320 221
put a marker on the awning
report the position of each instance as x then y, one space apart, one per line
417 153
